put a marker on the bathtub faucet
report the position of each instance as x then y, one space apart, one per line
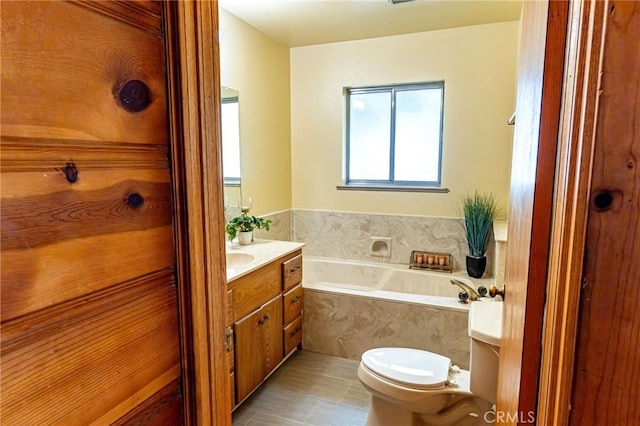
473 295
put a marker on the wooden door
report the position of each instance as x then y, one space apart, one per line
272 334
88 295
249 354
534 152
606 388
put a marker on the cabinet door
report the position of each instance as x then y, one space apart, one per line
272 334
249 365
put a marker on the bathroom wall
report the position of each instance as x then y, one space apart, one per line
478 65
258 68
345 235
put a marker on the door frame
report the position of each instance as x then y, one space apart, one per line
583 64
192 50
192 57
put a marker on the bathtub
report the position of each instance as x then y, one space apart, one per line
351 307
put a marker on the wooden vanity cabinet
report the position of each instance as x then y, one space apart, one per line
266 306
292 303
258 346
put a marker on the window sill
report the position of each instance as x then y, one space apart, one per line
392 188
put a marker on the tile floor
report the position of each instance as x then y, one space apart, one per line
308 389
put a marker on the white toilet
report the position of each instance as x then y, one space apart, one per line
415 387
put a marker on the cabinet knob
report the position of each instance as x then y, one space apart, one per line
295 299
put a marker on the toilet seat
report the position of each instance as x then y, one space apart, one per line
409 367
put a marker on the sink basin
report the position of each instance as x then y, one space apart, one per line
485 321
238 258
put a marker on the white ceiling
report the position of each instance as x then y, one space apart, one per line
306 22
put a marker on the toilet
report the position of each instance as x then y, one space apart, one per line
411 387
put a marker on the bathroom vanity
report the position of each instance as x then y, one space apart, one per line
264 319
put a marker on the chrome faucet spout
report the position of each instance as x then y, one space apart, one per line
473 295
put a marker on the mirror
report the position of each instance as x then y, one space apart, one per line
231 151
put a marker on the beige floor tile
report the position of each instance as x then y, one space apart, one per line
311 389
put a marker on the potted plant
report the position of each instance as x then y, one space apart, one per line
479 210
242 226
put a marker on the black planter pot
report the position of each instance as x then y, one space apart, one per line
476 266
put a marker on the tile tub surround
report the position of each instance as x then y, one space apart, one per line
280 229
346 235
348 325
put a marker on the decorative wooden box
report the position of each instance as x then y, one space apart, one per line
431 260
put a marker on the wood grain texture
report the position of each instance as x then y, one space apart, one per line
161 409
535 142
255 289
69 213
292 272
292 335
43 57
258 346
128 335
571 204
30 155
143 15
249 354
606 388
292 304
89 303
272 334
194 110
60 241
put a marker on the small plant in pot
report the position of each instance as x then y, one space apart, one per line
478 210
242 227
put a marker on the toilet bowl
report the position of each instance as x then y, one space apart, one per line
415 387
411 387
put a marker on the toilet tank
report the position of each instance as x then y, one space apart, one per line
485 330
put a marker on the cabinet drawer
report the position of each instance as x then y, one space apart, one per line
293 335
291 272
292 306
255 289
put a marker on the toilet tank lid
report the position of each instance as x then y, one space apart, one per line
410 367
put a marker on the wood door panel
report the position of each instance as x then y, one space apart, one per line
45 58
100 206
60 241
249 363
142 14
30 155
272 334
255 289
607 358
113 347
162 409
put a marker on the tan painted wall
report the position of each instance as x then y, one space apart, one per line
258 67
478 65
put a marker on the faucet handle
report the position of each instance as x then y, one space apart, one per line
482 291
494 291
463 297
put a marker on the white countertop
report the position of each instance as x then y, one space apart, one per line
264 251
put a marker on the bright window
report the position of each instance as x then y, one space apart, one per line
394 135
